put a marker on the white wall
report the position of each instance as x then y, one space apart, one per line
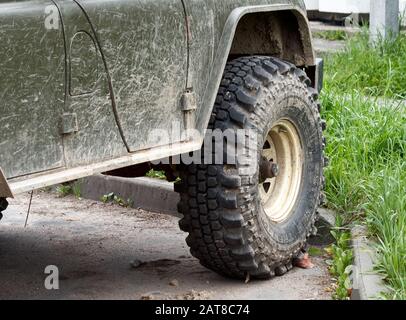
403 7
344 6
347 6
312 5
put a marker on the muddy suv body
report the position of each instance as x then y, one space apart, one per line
84 83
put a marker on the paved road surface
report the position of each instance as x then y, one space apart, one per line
93 245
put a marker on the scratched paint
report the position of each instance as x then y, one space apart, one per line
145 46
32 74
88 95
122 76
208 20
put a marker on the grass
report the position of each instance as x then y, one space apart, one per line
315 252
156 174
331 35
367 147
386 217
117 200
374 71
342 259
67 189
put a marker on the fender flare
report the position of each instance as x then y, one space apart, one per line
226 42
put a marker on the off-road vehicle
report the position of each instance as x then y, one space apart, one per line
84 83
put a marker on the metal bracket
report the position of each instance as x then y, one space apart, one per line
5 191
319 74
316 74
189 101
69 123
189 107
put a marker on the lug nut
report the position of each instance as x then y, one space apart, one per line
268 169
275 170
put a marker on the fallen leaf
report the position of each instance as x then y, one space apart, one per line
304 262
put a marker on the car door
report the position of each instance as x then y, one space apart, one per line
32 87
90 132
144 43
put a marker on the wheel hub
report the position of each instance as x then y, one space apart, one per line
268 169
281 168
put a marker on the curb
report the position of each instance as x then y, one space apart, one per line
367 284
159 196
144 193
322 46
317 27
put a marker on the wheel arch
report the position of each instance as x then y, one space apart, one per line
282 34
293 44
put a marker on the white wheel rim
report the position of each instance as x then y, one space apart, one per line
279 194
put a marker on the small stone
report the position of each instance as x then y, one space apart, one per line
174 283
136 264
151 296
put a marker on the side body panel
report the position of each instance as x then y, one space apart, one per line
145 46
95 136
152 52
32 78
212 27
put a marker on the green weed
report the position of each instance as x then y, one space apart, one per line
366 179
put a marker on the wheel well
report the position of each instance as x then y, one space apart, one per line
281 34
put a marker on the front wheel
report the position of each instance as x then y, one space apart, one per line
253 222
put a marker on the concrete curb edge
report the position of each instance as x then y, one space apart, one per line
367 284
144 193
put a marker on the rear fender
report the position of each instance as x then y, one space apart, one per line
227 48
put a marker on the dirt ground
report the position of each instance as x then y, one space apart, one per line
104 251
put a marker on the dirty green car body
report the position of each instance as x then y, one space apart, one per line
83 82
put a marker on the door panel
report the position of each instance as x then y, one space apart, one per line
202 15
91 132
32 87
145 46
